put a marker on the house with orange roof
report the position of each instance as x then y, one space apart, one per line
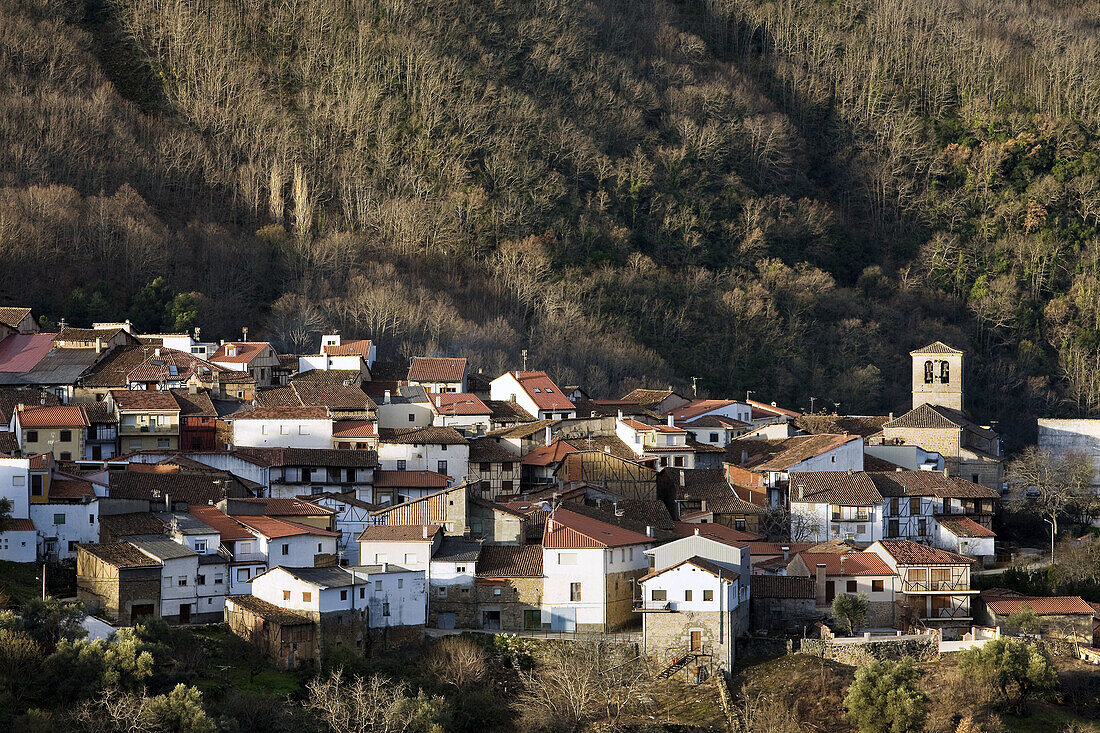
535 392
835 573
665 444
1060 617
257 358
464 412
730 409
438 374
147 419
590 568
931 586
58 429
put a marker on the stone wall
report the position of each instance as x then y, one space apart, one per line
511 596
667 636
619 595
784 613
923 649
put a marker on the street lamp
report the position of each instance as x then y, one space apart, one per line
1051 539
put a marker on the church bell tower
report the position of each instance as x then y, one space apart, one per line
938 376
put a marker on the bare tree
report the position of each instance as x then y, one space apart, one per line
458 660
1063 482
358 705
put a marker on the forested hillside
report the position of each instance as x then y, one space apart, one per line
783 196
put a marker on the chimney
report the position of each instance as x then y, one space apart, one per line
703 505
620 414
945 471
897 470
385 567
683 480
820 584
425 531
156 351
696 531
801 490
607 449
786 554
547 436
196 336
244 334
649 530
891 417
386 397
98 345
849 471
671 421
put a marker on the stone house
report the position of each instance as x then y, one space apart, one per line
119 580
778 602
289 638
852 573
1061 617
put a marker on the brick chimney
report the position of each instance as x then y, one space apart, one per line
820 584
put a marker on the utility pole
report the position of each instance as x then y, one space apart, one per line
695 386
1051 539
43 581
523 353
812 399
749 393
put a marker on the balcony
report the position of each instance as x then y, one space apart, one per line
641 606
147 429
865 517
953 586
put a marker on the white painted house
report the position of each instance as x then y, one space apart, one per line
535 392
70 517
410 546
282 427
179 576
438 374
667 445
835 505
443 450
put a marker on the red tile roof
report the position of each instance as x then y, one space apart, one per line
22 352
803 450
510 561
282 506
763 408
358 347
246 351
389 479
171 365
907 552
451 403
229 528
12 315
572 530
782 586
276 528
1042 605
963 526
71 489
834 487
121 555
51 416
144 399
645 427
776 548
399 533
936 347
846 563
717 532
699 562
422 436
281 413
697 408
22 524
548 455
543 391
437 369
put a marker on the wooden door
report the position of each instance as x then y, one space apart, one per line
830 590
185 613
696 641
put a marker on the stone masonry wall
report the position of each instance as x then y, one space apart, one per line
668 636
923 649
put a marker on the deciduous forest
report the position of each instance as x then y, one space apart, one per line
779 196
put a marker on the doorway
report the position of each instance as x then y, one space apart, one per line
139 611
490 620
696 641
185 613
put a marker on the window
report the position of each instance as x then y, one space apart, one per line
286 548
218 579
678 461
574 591
32 436
894 506
379 558
914 505
284 430
320 547
442 466
485 467
18 480
832 458
343 595
66 436
200 580
307 475
851 587
362 592
945 373
506 486
303 430
496 591
538 391
547 390
532 620
163 443
412 417
72 545
36 485
242 575
659 595
400 465
877 586
182 581
410 558
687 595
567 558
442 591
929 373
739 524
307 596
351 475
893 528
922 526
200 545
58 518
400 582
714 437
385 608
378 585
460 568
507 467
442 446
708 595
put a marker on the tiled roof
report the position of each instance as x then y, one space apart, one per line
510 561
435 369
642 427
717 532
270 612
963 526
358 347
490 451
132 523
782 586
716 569
331 457
523 430
352 377
12 315
608 444
20 524
12 396
631 514
940 418
508 411
229 529
353 429
316 393
276 528
192 488
144 399
698 408
929 483
542 390
171 365
111 371
1041 605
428 509
451 403
572 530
281 413
764 409
282 506
99 412
162 548
713 421
846 563
457 549
398 533
874 464
776 548
61 416
864 425
71 489
709 485
8 444
646 397
121 555
906 552
834 487
422 436
246 351
936 347
327 577
803 450
547 455
21 352
406 479
194 405
68 333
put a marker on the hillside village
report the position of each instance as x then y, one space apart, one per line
323 502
